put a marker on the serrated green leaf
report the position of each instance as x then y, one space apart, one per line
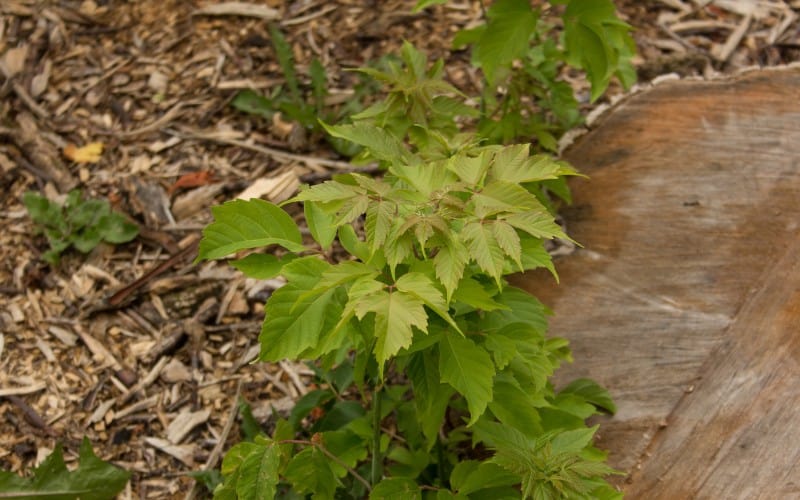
420 286
396 488
286 60
431 396
354 246
319 83
292 324
395 315
239 225
470 169
514 407
320 224
310 471
449 264
262 266
513 164
474 294
469 476
469 370
591 392
258 474
521 307
508 239
345 445
94 479
500 196
381 144
534 256
510 26
536 223
378 222
484 249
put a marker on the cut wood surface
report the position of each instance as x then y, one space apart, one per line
685 300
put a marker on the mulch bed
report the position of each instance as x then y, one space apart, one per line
133 345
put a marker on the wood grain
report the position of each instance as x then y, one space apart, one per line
684 301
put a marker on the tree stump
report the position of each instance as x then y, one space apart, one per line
685 300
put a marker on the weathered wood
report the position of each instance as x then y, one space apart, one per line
684 301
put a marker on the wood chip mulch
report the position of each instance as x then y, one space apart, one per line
133 345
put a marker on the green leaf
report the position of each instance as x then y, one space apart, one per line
310 471
87 239
319 84
513 407
537 224
345 445
484 249
420 286
469 476
431 396
240 224
284 52
521 307
258 473
293 323
320 224
476 295
396 488
449 264
597 41
508 239
380 143
379 222
510 26
115 228
262 266
501 196
42 210
395 315
591 392
87 212
94 479
254 103
469 370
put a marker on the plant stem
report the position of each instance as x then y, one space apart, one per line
377 460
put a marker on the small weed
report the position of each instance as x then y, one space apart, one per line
78 223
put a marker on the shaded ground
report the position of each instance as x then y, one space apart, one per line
149 370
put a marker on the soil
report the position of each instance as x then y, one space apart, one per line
133 345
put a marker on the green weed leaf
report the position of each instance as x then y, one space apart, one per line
94 479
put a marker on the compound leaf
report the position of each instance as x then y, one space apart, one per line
395 315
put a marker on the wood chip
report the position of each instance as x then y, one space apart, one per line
724 52
239 9
184 452
15 391
66 337
13 61
184 423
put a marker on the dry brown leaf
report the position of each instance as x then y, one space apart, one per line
90 153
